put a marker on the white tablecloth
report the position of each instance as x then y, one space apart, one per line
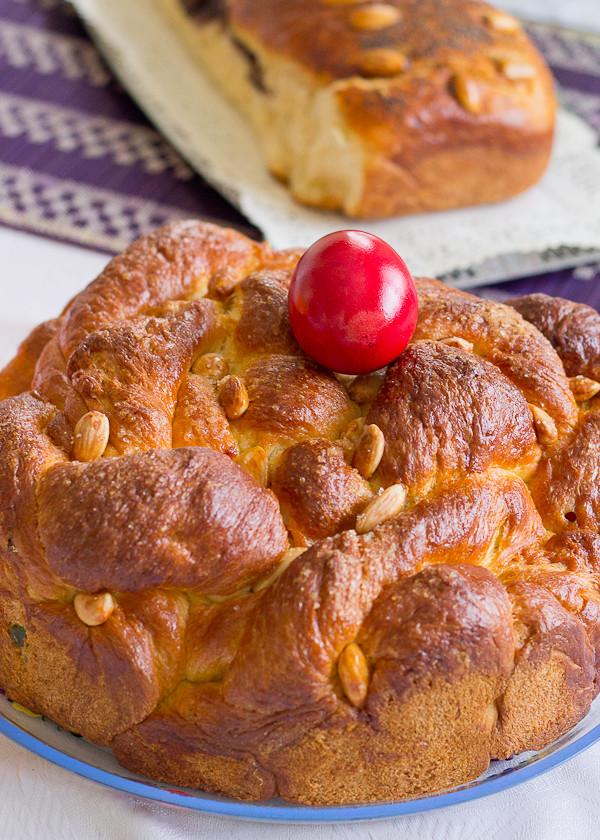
41 802
579 14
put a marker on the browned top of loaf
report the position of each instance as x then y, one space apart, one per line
413 75
267 574
331 37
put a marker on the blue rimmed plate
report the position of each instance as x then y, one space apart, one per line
74 753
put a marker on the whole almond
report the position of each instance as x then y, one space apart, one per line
382 62
373 17
368 450
490 718
467 92
94 609
501 21
457 341
212 365
381 508
364 388
91 436
545 427
353 671
255 462
583 388
517 71
289 556
233 396
353 429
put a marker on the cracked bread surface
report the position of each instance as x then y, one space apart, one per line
344 590
379 109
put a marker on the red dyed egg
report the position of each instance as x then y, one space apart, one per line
352 302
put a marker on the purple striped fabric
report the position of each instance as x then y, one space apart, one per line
80 162
580 284
78 159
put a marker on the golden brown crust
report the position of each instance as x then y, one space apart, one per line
199 419
553 680
103 678
326 38
186 504
291 398
264 325
17 375
331 753
132 371
410 105
565 487
178 740
176 262
445 412
573 329
26 453
567 566
507 340
249 575
317 487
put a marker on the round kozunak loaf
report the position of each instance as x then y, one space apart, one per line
250 576
378 109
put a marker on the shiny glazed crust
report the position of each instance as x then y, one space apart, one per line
250 576
380 109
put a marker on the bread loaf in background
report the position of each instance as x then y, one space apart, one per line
378 109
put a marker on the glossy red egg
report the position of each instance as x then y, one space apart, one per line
352 302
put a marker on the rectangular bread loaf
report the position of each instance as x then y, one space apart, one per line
379 109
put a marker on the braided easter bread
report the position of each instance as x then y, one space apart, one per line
248 575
